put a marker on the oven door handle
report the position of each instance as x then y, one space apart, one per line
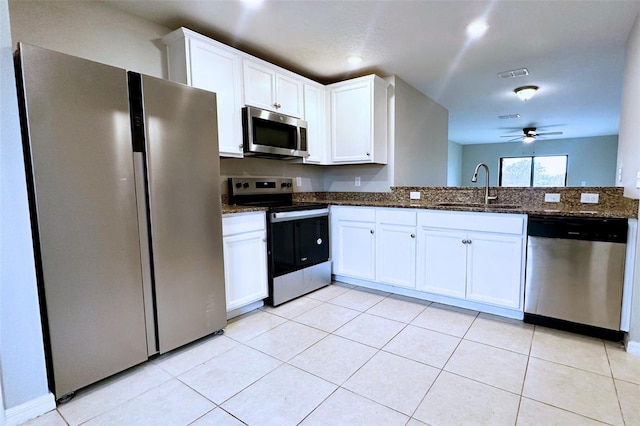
299 214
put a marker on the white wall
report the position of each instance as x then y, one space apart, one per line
22 362
421 138
92 30
454 168
591 160
629 153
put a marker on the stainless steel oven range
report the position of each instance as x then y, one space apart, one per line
297 236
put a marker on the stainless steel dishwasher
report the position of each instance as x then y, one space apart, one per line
575 274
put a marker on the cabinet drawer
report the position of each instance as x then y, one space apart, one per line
360 214
483 222
396 216
237 223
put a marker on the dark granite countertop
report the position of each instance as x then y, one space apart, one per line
231 209
530 201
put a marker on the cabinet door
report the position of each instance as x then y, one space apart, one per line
355 249
259 86
289 96
351 120
495 269
442 261
245 283
316 117
396 255
219 71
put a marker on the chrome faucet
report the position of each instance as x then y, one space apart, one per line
486 181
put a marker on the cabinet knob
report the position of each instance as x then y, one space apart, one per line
241 146
469 241
277 106
264 240
368 154
464 241
371 231
413 235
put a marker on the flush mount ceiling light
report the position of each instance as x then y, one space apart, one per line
526 92
528 139
476 29
252 3
354 59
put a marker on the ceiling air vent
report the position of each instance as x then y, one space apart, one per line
508 116
514 73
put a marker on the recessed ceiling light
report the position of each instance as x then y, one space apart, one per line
476 29
253 3
354 59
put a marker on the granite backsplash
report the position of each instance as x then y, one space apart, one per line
610 198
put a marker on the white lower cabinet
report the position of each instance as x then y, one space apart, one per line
396 247
471 259
473 256
494 269
245 258
353 245
442 262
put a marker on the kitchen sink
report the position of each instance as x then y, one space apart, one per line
482 205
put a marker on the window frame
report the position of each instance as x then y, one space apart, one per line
532 168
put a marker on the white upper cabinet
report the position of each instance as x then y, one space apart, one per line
315 114
265 87
359 121
204 63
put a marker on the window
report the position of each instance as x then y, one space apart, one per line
541 171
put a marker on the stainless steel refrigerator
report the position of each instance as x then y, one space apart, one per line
123 175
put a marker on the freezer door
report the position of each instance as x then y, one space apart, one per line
83 202
185 211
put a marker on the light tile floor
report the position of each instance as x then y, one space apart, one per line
349 356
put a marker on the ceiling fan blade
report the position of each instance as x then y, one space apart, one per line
548 133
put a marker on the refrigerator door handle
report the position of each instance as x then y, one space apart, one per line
145 253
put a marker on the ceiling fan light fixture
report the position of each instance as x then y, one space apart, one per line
528 139
526 92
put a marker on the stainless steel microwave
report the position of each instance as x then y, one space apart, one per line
269 134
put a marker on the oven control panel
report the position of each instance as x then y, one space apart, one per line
257 186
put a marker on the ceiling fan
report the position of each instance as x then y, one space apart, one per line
529 134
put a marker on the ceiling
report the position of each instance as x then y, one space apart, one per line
573 50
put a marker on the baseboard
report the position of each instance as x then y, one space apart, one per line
452 301
632 347
244 309
30 410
